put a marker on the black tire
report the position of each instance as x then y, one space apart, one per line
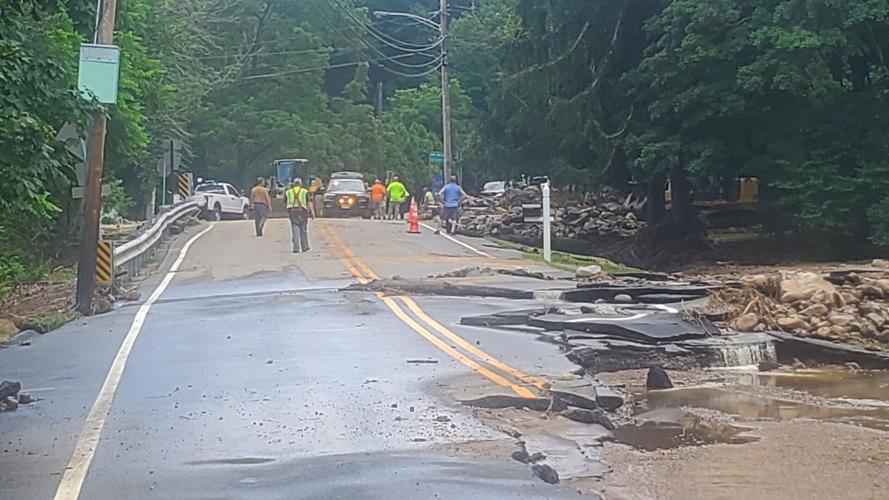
246 214
217 213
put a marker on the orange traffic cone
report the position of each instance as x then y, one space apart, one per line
413 219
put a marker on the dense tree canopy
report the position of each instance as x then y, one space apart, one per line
625 92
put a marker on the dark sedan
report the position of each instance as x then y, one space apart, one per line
347 198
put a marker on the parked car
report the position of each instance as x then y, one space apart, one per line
220 200
347 196
493 188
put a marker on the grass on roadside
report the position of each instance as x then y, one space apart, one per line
50 322
568 261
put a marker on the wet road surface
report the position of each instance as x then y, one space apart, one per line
254 376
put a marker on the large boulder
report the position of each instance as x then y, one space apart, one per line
791 323
658 379
746 322
591 271
799 286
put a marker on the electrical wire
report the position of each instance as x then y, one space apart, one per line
413 75
263 54
334 66
381 56
383 37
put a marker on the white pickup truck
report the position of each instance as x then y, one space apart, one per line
221 200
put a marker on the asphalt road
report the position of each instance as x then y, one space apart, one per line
245 372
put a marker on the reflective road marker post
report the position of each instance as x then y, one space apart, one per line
547 224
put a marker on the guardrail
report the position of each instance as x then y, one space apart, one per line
132 254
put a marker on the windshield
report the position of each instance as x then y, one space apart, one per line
494 186
347 185
211 188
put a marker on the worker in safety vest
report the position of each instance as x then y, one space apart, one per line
298 211
397 196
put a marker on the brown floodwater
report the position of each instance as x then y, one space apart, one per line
853 397
865 387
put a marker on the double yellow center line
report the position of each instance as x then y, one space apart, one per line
458 348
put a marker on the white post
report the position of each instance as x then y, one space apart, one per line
547 225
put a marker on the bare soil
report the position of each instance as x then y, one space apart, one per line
799 459
30 305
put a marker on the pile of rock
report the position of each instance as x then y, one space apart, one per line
11 396
841 306
574 217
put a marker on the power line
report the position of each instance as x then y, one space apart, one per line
285 52
413 75
333 66
436 61
383 37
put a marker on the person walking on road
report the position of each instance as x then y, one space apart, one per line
451 195
397 196
298 211
261 203
378 195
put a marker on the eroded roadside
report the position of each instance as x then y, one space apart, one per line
738 423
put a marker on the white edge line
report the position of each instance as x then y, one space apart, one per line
75 473
455 240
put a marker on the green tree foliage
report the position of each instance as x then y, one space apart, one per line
37 96
790 91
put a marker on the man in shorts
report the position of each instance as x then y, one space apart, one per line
451 195
378 196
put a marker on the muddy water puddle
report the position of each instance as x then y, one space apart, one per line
667 428
852 397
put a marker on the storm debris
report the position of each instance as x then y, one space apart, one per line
11 396
841 306
658 379
546 473
499 402
607 213
422 361
588 417
476 271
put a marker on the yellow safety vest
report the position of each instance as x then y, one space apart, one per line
296 198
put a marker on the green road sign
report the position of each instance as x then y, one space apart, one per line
436 158
99 72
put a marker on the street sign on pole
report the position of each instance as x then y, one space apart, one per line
436 158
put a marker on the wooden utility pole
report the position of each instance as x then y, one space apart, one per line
445 95
380 99
92 200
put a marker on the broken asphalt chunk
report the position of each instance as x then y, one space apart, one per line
546 473
9 388
608 399
588 417
498 402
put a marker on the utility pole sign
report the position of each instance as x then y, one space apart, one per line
99 72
